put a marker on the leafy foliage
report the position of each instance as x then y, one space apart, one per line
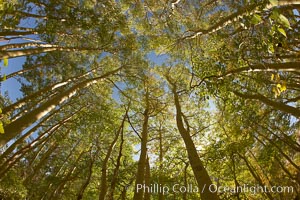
110 86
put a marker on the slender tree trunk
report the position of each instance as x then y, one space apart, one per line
39 140
44 157
286 139
26 52
16 127
20 72
255 175
236 183
245 11
24 45
39 50
114 179
89 175
12 33
278 148
123 193
160 194
140 176
201 175
277 105
24 136
286 170
32 130
103 184
57 172
42 161
37 154
280 163
259 170
147 179
66 178
184 194
39 93
266 67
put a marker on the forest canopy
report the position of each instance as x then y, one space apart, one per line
185 99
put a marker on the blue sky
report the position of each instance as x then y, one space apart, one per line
12 86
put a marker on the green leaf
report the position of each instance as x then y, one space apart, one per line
282 31
275 14
5 61
271 49
284 21
1 128
256 19
274 2
0 111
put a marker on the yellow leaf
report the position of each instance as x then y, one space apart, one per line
1 5
5 61
278 85
283 86
272 77
274 2
1 128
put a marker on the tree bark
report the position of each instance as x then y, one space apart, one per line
56 173
12 33
66 178
277 105
245 11
42 161
16 127
278 148
39 140
286 139
89 175
39 93
255 175
184 194
39 50
26 52
266 67
20 72
31 131
201 175
24 136
114 179
140 176
236 183
161 154
103 183
24 45
147 179
279 162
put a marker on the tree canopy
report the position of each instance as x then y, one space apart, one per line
186 99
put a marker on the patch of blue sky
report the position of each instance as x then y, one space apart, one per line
158 59
11 86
